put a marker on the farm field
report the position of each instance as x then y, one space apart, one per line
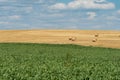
23 61
83 37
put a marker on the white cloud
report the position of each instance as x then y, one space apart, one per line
51 15
2 23
111 18
7 0
58 6
11 17
100 0
14 17
12 25
118 11
87 4
91 15
3 0
27 9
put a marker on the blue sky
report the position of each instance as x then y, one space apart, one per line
60 14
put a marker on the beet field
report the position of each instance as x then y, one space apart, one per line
28 61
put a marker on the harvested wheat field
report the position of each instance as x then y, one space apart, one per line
98 38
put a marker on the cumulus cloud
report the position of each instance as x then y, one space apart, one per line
87 4
91 15
59 6
118 11
14 17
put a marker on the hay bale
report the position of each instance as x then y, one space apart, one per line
96 35
94 40
72 38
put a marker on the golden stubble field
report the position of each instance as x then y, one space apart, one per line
83 37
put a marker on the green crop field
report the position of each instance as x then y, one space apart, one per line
22 61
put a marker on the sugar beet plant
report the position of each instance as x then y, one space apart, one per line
58 62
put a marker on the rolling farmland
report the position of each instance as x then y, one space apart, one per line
52 55
83 37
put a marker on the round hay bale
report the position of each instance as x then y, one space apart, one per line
94 40
72 38
96 35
